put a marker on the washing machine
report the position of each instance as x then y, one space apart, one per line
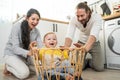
112 43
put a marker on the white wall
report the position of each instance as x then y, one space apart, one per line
5 10
53 9
5 29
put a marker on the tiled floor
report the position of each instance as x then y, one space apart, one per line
88 74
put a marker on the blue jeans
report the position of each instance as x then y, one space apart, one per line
59 71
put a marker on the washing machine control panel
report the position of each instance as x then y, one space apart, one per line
118 22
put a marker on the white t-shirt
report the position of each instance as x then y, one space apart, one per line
92 28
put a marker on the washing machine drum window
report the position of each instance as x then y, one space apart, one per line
114 41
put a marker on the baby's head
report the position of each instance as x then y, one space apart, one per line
50 40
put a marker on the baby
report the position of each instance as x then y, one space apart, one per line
55 59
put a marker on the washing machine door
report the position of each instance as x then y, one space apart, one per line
114 41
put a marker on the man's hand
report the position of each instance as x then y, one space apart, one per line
78 45
63 48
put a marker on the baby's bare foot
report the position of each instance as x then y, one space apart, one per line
69 77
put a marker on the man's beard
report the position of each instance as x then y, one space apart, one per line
84 22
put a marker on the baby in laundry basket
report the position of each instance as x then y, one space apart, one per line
55 60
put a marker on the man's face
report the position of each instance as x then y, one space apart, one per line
82 16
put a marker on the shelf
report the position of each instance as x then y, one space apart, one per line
115 15
51 20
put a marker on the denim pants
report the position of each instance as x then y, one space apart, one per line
60 71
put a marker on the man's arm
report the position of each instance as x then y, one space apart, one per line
89 43
68 42
94 33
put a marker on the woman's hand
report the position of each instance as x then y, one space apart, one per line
29 53
33 44
33 48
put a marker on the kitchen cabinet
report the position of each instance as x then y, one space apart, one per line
61 30
58 27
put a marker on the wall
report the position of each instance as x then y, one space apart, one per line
5 10
5 29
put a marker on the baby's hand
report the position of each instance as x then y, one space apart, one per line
69 77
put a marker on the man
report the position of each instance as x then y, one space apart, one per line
89 25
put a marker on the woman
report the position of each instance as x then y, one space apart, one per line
17 53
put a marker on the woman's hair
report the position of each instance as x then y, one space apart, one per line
47 34
83 5
25 32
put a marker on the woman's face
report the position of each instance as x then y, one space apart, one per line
33 20
50 41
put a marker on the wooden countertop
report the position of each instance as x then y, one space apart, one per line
115 15
46 19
